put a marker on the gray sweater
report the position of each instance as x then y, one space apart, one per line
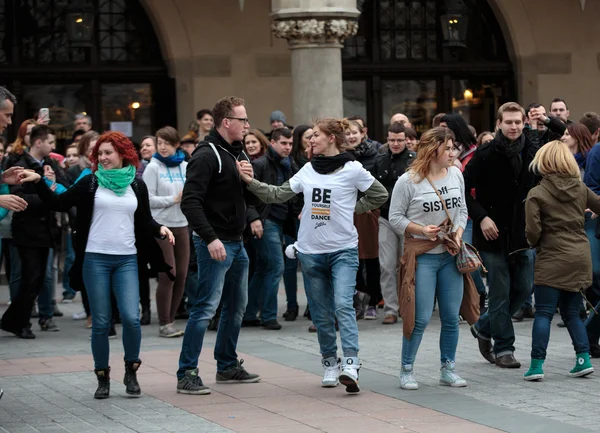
418 203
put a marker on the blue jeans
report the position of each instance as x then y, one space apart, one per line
569 303
290 277
69 259
46 296
476 275
436 276
191 288
226 281
103 274
269 268
330 292
510 279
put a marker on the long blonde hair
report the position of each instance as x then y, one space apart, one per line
555 158
427 151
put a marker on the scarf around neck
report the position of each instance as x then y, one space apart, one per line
512 150
286 163
329 164
171 161
116 179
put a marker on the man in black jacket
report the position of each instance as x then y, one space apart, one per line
388 168
499 173
271 222
35 232
214 203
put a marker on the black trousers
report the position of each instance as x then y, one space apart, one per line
34 261
367 280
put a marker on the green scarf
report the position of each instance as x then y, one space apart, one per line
116 179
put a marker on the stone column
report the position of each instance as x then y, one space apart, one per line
315 34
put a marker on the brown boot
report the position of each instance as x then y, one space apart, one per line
507 361
485 346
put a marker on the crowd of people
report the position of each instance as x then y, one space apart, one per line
223 215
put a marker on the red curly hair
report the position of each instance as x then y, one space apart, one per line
122 145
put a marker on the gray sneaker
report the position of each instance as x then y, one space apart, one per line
168 331
49 325
192 384
237 374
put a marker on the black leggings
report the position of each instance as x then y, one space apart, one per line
367 280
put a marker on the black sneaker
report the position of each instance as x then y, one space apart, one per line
250 323
237 374
272 325
192 384
49 325
25 334
595 350
57 312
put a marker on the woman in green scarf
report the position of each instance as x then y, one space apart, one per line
114 225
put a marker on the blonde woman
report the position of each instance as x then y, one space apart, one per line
555 216
417 210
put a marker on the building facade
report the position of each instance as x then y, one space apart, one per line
308 58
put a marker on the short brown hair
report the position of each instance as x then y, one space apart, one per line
592 121
437 119
169 134
223 108
397 128
410 133
510 107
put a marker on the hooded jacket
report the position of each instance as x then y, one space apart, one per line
164 184
214 195
554 226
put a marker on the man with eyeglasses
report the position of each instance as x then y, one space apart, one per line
389 166
214 203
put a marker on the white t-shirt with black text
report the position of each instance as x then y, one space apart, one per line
327 222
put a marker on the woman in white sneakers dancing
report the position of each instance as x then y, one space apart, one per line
327 244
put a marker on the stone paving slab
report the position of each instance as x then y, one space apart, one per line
499 396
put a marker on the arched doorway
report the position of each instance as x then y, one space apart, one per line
397 63
119 77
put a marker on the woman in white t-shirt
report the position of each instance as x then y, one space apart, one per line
114 226
416 209
327 245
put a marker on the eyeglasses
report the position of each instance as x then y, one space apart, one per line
244 120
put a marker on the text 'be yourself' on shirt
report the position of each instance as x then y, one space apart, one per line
417 202
327 222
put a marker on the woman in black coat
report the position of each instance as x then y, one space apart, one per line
114 225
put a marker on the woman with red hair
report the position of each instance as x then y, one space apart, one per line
20 144
114 225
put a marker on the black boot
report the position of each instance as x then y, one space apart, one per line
145 319
130 379
291 314
103 377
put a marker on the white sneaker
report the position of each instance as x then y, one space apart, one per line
167 331
80 316
179 331
407 378
349 374
332 372
449 378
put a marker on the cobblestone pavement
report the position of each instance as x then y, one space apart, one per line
495 397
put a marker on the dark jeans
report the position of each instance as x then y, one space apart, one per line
592 325
226 281
69 260
290 277
368 280
569 303
264 285
46 295
34 262
510 278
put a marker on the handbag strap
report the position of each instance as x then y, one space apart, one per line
442 200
